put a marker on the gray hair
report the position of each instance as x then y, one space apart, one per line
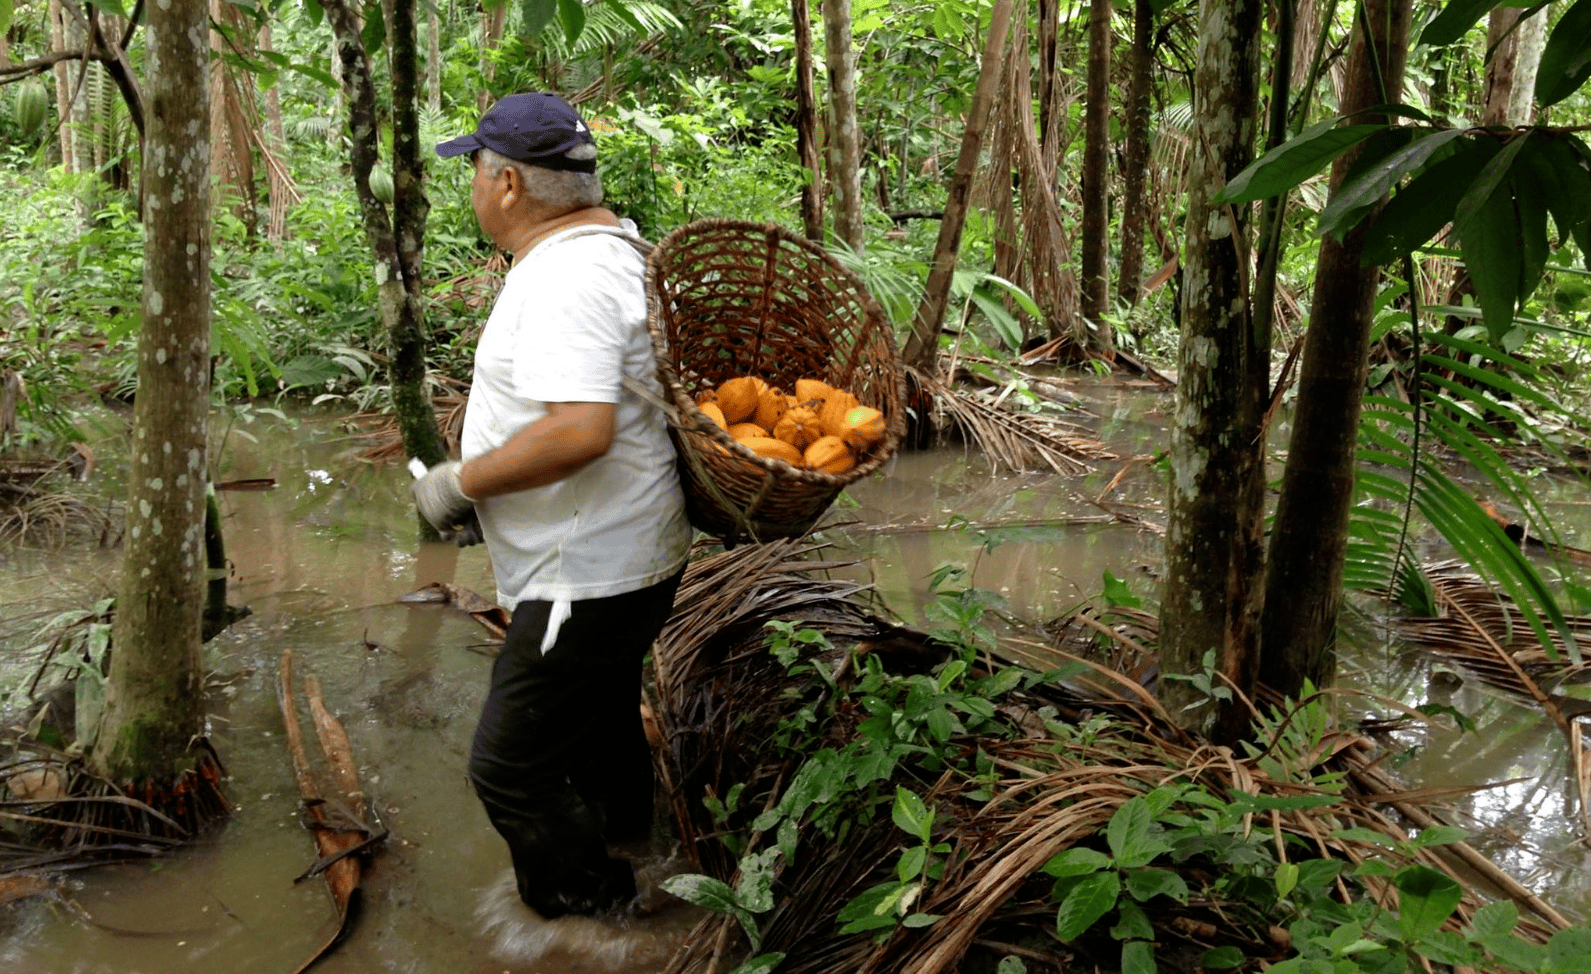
553 187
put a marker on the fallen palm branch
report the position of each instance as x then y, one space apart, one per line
379 430
337 815
1015 440
1081 746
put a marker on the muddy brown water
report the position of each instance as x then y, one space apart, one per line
320 561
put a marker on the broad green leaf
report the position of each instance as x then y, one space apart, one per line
1075 862
1361 834
1455 20
1117 593
1426 898
918 920
911 815
1138 957
1494 922
1569 951
761 964
1132 923
754 891
1144 884
1421 208
535 15
911 863
1566 60
703 891
1128 835
1090 899
7 11
1560 166
572 15
374 34
1222 958
1492 179
1447 947
1294 161
1530 200
1005 327
1489 240
1286 878
1357 194
1314 875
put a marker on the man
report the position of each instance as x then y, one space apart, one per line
573 478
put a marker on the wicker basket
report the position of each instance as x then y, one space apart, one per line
730 298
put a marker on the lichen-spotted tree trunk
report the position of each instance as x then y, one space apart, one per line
153 710
1214 549
1309 542
396 240
845 136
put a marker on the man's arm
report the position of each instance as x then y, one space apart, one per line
571 435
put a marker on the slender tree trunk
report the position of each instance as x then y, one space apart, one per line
1135 155
396 243
806 122
1214 540
433 58
1096 178
279 184
1503 53
65 83
845 137
1530 41
491 36
1309 542
923 345
154 707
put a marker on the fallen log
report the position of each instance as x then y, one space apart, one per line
335 816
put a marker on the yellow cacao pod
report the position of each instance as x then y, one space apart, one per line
772 448
832 416
863 427
799 427
741 431
715 414
829 454
771 406
807 390
738 398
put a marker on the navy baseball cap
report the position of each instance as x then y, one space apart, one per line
533 128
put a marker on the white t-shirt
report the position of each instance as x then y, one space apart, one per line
569 324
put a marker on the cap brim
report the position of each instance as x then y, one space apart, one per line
458 146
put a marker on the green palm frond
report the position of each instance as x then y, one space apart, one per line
1472 398
610 24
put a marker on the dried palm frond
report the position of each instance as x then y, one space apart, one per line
721 699
384 443
1017 441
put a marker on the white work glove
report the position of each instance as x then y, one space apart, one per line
442 502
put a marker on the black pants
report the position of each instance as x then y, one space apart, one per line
560 757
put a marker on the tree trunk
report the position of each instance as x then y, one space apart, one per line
806 123
61 35
1515 43
1309 541
1214 540
1135 155
232 120
274 150
433 58
395 241
492 22
845 138
1096 178
154 707
923 344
